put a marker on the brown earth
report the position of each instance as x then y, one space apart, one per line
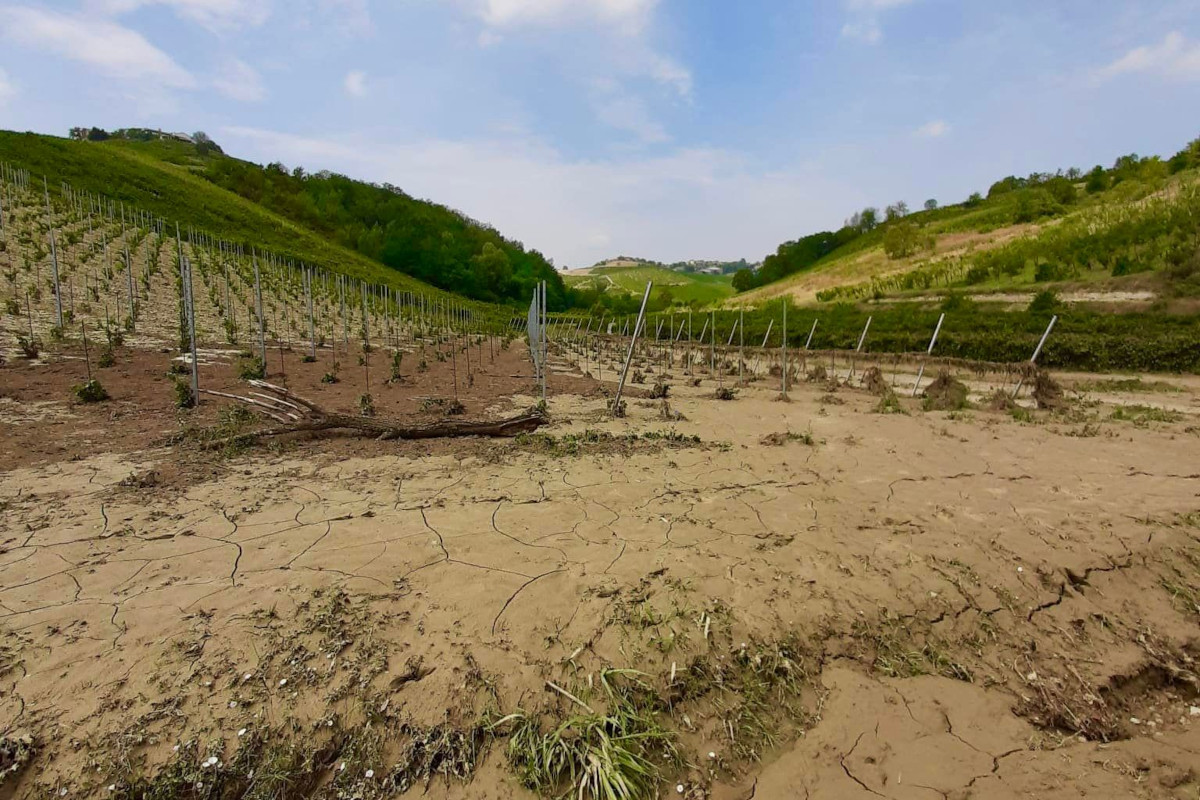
901 605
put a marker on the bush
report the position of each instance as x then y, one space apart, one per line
90 392
30 349
251 369
1045 302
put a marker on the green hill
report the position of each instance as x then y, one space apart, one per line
371 232
618 287
1131 227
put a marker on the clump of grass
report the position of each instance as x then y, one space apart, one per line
780 439
660 390
615 754
1127 385
396 377
330 377
108 357
13 306
309 358
90 392
454 408
725 393
1142 416
889 403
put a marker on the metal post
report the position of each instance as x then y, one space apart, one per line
53 258
1037 352
629 357
262 323
928 353
784 349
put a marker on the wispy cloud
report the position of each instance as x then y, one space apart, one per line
629 15
934 129
113 50
863 24
625 112
355 83
217 15
238 80
1174 57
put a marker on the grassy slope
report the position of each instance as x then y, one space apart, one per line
157 177
684 287
963 233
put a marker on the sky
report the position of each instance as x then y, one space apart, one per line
664 129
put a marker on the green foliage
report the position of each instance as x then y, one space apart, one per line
591 755
904 239
90 392
251 367
430 242
184 396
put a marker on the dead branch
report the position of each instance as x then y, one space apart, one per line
300 415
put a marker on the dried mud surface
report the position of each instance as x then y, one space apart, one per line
977 606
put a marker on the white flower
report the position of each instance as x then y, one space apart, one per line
112 787
370 773
712 755
679 789
246 677
283 682
233 703
242 732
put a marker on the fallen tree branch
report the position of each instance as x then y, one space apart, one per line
300 415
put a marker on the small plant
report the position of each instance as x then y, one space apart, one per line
115 336
725 393
366 405
660 390
423 366
107 358
251 368
454 408
90 392
309 359
57 334
13 306
890 404
30 348
184 396
396 377
330 377
639 377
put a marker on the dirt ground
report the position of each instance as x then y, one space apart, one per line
838 596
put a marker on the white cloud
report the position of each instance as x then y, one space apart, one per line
629 15
934 129
8 89
1175 57
864 25
353 16
111 49
356 83
238 80
669 206
218 15
625 112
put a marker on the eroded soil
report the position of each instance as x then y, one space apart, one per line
899 605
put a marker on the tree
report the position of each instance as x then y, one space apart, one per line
744 280
975 199
897 211
931 204
1097 180
868 219
902 240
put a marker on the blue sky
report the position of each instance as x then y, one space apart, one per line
668 129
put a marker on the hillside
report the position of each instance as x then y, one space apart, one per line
1127 232
619 287
370 232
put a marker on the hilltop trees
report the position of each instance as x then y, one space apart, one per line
431 242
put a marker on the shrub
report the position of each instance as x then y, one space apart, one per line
184 396
90 392
251 369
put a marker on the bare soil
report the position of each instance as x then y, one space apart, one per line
914 604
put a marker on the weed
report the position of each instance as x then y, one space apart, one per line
107 358
617 754
1142 416
946 393
890 404
30 348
